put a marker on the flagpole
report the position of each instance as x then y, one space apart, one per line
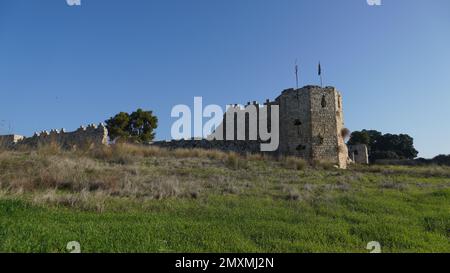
320 75
296 73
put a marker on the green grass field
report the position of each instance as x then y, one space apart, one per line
131 199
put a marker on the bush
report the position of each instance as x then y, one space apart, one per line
235 162
51 148
294 163
324 165
441 160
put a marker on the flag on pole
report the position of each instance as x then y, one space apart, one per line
296 74
320 75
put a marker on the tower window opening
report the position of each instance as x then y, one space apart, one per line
324 101
320 140
301 147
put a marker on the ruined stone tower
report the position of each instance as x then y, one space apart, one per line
311 124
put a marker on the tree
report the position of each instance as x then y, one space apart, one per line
136 127
387 146
117 126
359 138
402 145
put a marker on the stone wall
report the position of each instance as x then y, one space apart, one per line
241 147
90 135
358 153
8 141
241 118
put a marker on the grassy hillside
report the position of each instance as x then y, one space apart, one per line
136 199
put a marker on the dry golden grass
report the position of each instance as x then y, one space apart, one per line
64 177
324 165
70 178
235 161
294 163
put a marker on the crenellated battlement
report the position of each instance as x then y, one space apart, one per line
85 135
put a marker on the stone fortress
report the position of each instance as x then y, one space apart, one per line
311 126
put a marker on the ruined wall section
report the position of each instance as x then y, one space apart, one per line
359 153
90 135
342 146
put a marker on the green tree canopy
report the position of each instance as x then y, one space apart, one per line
385 146
359 138
138 126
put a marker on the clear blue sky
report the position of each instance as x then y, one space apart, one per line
63 66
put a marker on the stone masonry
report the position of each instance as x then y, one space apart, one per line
90 135
311 125
8 141
359 153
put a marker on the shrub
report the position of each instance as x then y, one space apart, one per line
232 161
52 148
294 163
292 194
324 165
235 161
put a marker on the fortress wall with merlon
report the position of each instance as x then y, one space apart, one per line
89 135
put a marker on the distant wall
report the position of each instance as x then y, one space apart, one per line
240 147
92 134
9 140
